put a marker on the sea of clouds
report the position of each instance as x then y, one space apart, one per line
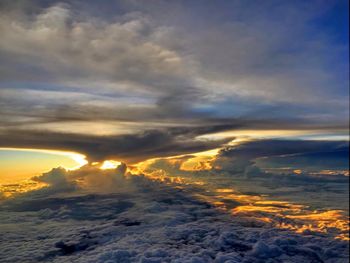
93 215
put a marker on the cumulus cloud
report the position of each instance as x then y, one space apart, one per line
64 47
56 176
87 178
57 180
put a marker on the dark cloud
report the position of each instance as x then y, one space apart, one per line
63 60
159 79
129 148
268 148
241 158
147 140
337 159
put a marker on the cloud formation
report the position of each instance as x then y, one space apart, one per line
305 172
129 148
165 64
130 81
246 158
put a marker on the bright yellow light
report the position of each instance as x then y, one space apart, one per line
300 219
9 190
21 164
209 153
110 164
246 134
77 157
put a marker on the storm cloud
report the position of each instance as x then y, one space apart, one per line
143 81
129 148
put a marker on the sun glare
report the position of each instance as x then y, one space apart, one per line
110 164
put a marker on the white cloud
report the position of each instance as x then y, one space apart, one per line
58 42
254 58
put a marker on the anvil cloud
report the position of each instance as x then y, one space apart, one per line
117 74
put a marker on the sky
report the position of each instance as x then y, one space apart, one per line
174 131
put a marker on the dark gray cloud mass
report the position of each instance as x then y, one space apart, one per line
130 148
150 78
299 154
268 148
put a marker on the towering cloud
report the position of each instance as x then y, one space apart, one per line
136 72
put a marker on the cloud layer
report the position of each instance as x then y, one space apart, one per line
133 219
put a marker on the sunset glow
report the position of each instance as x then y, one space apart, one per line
109 164
34 162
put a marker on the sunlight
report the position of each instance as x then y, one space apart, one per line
18 164
109 164
297 218
80 159
11 190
